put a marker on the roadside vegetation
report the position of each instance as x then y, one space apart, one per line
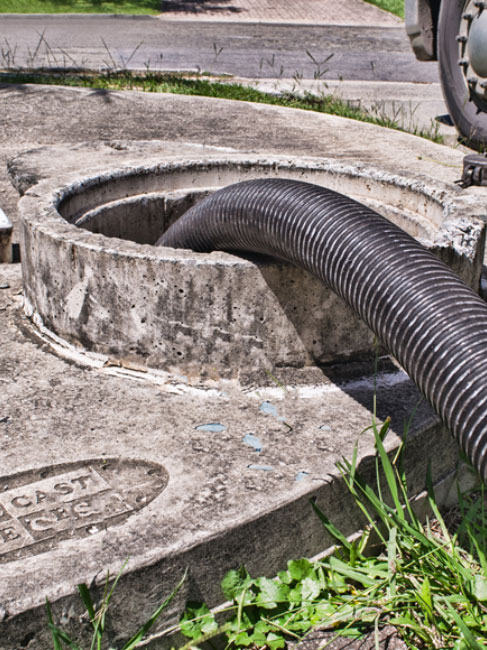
80 6
425 580
428 580
393 6
125 6
320 102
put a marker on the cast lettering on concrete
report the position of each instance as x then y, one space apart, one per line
78 502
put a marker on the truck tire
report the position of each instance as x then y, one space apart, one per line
460 81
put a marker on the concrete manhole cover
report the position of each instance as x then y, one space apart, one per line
39 508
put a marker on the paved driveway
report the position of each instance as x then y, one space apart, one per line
251 50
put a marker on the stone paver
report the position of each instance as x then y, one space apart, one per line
327 12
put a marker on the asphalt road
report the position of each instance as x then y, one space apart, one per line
253 50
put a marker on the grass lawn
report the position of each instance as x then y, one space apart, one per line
394 6
80 6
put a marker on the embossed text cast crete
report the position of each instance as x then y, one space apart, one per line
40 509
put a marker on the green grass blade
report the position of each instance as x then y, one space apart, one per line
433 505
480 551
425 600
60 634
115 582
376 634
331 528
389 470
353 466
100 616
138 636
469 513
240 607
85 595
99 620
365 577
360 490
401 473
54 630
391 561
468 636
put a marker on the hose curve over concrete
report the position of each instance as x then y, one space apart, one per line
428 319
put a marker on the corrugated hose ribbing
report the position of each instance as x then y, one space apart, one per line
426 317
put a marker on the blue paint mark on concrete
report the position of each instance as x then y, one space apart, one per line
325 427
213 427
262 468
268 408
301 475
253 441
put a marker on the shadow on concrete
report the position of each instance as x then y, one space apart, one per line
104 93
395 396
7 87
199 6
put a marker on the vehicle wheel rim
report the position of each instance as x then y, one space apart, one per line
472 45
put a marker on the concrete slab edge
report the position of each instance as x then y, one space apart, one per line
446 491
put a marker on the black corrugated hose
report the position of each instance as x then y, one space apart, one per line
428 319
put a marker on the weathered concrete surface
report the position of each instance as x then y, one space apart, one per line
51 115
223 505
237 492
204 316
413 106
